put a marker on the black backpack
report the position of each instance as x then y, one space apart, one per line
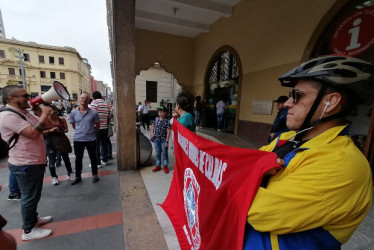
14 139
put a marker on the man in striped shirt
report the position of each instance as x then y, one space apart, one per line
102 108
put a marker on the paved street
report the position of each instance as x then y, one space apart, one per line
85 216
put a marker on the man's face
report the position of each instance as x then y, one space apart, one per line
83 100
307 92
280 105
20 99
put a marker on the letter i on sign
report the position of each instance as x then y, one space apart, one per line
354 35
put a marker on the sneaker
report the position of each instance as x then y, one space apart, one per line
95 179
43 220
166 170
98 166
70 177
36 233
157 168
103 163
54 181
76 181
14 197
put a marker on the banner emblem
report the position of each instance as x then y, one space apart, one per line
191 193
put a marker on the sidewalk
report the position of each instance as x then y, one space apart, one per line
120 211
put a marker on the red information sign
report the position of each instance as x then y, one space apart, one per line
355 34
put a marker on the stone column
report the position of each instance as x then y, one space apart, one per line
123 36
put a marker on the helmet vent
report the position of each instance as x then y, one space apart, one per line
363 67
344 73
330 65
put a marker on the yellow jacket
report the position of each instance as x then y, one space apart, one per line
326 185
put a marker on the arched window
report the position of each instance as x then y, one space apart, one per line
222 83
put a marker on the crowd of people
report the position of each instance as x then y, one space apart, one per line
39 134
322 187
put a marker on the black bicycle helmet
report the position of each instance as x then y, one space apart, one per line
337 71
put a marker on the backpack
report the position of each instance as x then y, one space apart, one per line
14 139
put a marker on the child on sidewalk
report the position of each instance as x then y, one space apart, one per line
161 132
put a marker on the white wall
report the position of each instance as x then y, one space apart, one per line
167 85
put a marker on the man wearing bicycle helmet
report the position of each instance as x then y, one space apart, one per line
324 190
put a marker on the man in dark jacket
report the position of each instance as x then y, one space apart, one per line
279 124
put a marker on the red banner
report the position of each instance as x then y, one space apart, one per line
212 189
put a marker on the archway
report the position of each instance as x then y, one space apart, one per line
223 81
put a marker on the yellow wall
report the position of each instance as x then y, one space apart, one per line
270 38
174 53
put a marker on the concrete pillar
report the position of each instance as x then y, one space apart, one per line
124 81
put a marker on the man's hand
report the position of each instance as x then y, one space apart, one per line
275 170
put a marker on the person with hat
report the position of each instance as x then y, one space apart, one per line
279 124
323 188
160 132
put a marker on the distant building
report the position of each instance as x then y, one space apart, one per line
2 28
155 85
43 64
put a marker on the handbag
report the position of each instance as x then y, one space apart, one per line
61 143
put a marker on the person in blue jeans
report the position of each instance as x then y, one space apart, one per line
220 107
161 133
14 190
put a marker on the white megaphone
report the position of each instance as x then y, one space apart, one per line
56 92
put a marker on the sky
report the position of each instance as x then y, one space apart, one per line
80 24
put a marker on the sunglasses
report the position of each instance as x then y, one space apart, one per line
295 95
27 96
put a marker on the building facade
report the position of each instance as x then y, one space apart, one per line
240 55
156 85
42 65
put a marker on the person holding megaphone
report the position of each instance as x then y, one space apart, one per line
27 157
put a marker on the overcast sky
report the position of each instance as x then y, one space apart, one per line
80 24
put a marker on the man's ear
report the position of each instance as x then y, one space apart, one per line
332 102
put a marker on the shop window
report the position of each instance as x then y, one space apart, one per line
151 91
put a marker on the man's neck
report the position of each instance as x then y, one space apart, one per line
320 128
83 108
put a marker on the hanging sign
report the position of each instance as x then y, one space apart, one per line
355 34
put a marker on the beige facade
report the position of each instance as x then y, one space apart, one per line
101 87
43 64
167 86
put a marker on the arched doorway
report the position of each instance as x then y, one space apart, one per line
222 81
348 29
